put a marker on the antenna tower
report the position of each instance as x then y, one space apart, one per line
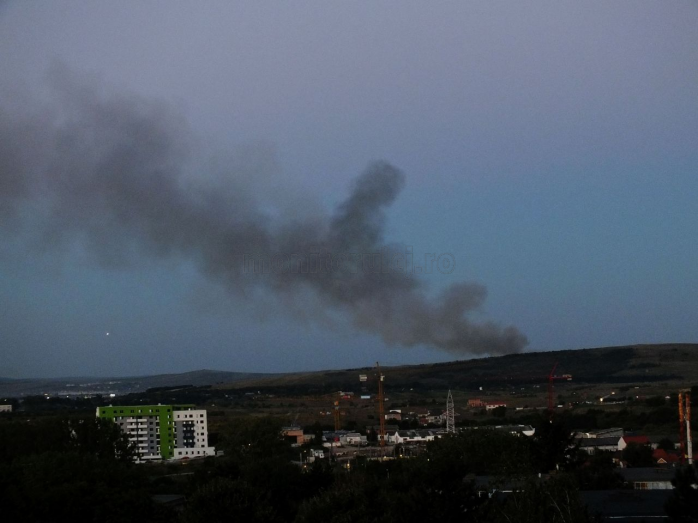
450 415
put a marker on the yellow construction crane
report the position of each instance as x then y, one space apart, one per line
685 439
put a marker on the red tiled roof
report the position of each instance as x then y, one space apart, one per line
668 457
640 440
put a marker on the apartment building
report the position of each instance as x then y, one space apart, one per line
162 431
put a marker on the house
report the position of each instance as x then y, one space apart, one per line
615 432
162 431
377 428
353 438
315 454
495 405
627 505
624 441
433 419
593 445
5 408
393 415
476 403
402 437
645 478
293 434
662 457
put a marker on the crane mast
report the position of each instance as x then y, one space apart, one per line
685 439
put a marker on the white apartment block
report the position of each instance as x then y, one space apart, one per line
191 433
162 431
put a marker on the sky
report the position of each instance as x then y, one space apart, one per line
538 157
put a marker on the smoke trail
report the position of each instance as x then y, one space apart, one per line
114 173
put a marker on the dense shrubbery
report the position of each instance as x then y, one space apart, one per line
79 469
62 469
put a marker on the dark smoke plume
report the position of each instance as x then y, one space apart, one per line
114 174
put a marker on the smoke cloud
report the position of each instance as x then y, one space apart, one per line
118 175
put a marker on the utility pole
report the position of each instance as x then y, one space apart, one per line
450 415
337 414
551 388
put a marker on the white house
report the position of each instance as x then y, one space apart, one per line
411 436
353 438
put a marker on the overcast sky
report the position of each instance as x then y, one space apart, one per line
549 148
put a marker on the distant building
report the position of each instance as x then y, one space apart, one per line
393 415
476 403
615 432
353 438
594 445
412 436
162 431
642 478
5 408
624 441
293 434
662 457
495 405
376 428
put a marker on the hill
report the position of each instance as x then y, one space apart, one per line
86 386
673 364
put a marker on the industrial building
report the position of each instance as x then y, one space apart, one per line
162 431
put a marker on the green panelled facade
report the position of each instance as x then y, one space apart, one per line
162 412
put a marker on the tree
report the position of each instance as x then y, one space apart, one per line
552 501
90 435
637 455
681 506
73 486
598 473
655 401
499 412
554 446
223 499
665 444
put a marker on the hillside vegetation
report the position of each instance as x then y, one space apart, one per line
673 364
